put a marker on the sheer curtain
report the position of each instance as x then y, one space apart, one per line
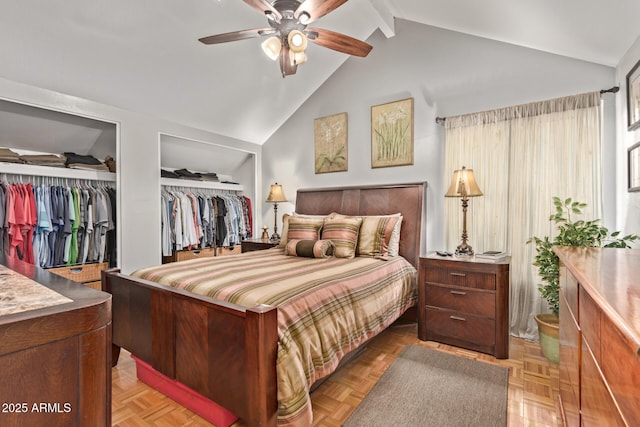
522 156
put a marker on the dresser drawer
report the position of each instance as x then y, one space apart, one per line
472 329
193 254
466 300
229 250
461 277
81 273
95 285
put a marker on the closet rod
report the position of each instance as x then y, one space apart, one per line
212 191
214 185
12 178
614 89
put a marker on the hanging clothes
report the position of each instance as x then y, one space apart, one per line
53 222
200 218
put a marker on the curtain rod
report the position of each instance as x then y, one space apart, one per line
614 89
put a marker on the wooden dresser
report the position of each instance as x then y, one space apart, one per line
465 302
55 350
599 336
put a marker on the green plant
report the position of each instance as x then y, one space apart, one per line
570 233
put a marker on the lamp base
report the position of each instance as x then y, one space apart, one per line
464 250
275 237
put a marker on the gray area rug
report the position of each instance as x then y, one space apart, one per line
425 387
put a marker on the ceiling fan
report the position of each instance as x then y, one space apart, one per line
288 20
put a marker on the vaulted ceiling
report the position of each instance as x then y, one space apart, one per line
144 55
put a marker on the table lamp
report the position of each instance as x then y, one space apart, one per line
276 195
463 184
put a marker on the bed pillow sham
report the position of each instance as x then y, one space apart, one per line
309 248
304 228
343 231
285 225
375 235
379 235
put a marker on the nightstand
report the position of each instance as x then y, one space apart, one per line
464 302
258 244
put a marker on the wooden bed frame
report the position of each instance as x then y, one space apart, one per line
225 352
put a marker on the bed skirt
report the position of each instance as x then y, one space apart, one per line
190 399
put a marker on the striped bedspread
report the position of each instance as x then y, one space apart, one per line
326 307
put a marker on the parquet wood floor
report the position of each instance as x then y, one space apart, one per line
533 386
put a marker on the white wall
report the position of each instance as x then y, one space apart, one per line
447 73
138 166
628 204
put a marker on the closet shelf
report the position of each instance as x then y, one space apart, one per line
34 170
200 184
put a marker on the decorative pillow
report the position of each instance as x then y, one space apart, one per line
367 236
285 225
309 248
375 235
304 228
343 231
285 230
394 242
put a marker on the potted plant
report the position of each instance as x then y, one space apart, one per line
570 233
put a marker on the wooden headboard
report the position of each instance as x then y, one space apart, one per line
407 199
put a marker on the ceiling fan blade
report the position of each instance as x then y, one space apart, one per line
264 7
339 42
286 66
237 35
317 8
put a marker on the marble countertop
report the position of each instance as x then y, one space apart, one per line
19 293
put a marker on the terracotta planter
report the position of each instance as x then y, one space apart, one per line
549 334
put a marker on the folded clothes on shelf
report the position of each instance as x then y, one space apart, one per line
52 160
168 174
9 156
209 176
187 174
84 162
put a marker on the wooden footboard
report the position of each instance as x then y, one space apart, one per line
223 351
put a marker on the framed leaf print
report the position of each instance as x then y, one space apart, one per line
633 97
330 142
633 167
392 134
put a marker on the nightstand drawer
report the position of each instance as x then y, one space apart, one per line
471 329
460 277
476 302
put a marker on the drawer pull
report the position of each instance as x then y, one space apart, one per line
458 274
458 293
457 318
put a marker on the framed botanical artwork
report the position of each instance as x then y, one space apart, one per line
633 167
392 134
330 142
633 97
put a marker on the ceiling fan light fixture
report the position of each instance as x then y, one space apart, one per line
272 47
297 41
304 17
297 58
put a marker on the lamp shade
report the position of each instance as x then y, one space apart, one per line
276 194
272 47
297 41
463 184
